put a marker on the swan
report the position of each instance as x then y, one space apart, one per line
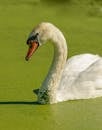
79 77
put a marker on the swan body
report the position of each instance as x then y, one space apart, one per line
83 77
79 77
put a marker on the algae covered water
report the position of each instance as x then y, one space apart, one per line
81 24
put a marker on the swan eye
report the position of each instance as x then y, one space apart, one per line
32 39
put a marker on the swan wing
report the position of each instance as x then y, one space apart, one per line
71 78
89 82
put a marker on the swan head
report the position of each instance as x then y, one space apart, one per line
39 35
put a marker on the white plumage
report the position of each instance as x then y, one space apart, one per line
81 78
78 78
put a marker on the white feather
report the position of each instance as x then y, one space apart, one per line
78 78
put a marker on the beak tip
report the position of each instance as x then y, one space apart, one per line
31 50
26 58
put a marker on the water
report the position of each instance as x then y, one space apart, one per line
72 115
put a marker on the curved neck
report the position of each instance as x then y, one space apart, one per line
47 92
55 73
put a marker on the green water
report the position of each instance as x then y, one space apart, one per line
76 115
82 27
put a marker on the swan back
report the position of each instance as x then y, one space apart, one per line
77 67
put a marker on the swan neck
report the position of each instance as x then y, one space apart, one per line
47 92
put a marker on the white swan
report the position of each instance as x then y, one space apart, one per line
78 78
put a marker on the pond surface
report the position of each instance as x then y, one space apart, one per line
18 78
72 115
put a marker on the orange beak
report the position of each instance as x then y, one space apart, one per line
32 48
